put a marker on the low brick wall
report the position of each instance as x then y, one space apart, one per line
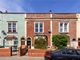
5 51
36 52
22 50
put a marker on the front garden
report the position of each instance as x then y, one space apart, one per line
41 46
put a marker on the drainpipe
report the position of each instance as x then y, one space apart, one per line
25 31
51 27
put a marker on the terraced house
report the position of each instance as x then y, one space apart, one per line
18 29
12 29
47 24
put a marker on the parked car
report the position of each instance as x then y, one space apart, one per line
66 54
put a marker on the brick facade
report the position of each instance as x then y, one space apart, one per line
39 18
56 18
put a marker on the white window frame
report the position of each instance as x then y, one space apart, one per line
39 27
12 26
63 27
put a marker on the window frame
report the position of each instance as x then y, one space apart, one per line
39 27
12 28
63 28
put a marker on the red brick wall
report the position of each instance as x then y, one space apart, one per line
31 18
34 15
72 27
64 15
5 52
30 29
36 52
55 27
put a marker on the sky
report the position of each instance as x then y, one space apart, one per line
40 6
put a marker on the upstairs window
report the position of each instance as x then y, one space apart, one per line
64 27
38 27
12 27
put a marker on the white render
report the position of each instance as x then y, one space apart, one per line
78 26
4 18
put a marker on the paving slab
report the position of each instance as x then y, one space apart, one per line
21 58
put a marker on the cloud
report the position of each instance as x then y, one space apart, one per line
15 6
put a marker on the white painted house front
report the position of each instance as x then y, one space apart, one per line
12 29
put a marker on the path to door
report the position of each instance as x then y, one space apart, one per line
21 58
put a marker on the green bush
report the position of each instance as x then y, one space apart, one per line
40 43
60 41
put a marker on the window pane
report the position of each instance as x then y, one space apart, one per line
14 30
9 27
9 30
14 27
36 27
61 30
41 30
61 27
65 27
41 27
36 30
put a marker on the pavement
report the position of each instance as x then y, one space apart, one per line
21 58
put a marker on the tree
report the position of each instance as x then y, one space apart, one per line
60 41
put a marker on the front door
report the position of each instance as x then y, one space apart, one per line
29 42
22 41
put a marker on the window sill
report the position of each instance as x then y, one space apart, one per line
12 32
38 32
64 32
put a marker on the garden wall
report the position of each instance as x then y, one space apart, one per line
5 51
37 52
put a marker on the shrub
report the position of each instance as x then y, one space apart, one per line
40 43
60 41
